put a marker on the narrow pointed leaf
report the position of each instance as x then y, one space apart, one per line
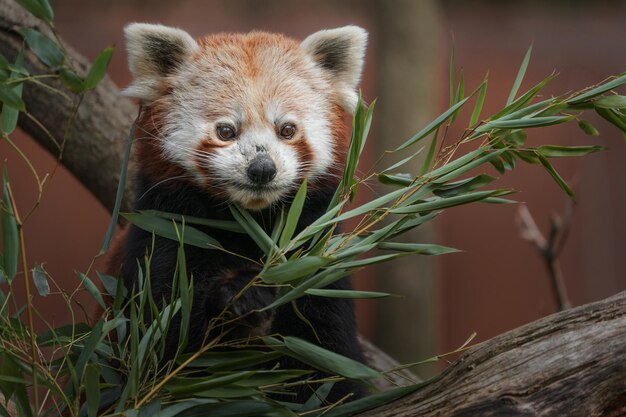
41 281
433 125
553 151
10 237
292 270
39 8
555 175
602 88
98 69
588 128
45 49
480 100
168 229
294 215
421 248
520 76
346 293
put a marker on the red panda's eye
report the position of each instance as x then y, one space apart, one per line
287 131
226 132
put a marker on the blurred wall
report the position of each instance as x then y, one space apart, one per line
498 282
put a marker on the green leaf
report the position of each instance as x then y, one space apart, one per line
294 215
440 203
10 114
346 293
478 107
588 128
433 125
294 269
92 389
185 386
372 401
321 358
553 151
10 237
91 288
421 248
168 229
602 88
451 76
39 8
71 80
460 187
9 96
402 180
527 123
431 153
237 359
121 186
520 76
253 229
611 102
555 175
89 348
45 49
239 408
110 284
613 117
40 279
98 68
227 225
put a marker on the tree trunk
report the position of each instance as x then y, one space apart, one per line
572 363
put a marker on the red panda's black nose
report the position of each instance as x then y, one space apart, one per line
261 170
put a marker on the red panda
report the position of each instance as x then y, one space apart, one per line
241 119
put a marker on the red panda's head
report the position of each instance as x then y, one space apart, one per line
244 116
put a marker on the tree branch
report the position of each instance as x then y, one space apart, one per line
94 147
572 363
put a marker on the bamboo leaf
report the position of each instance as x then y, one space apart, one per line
527 123
11 97
247 222
228 225
92 389
10 113
372 401
520 76
91 288
346 293
480 100
588 128
294 215
168 229
611 102
440 203
121 186
555 175
237 359
71 80
460 187
553 151
421 248
10 237
601 89
433 125
39 8
45 49
40 280
98 68
321 358
293 270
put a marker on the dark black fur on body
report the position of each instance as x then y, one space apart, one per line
218 276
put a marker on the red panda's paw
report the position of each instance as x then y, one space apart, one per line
244 305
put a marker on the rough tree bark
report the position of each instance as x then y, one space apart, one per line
571 363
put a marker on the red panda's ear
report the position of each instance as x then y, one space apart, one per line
154 51
341 52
